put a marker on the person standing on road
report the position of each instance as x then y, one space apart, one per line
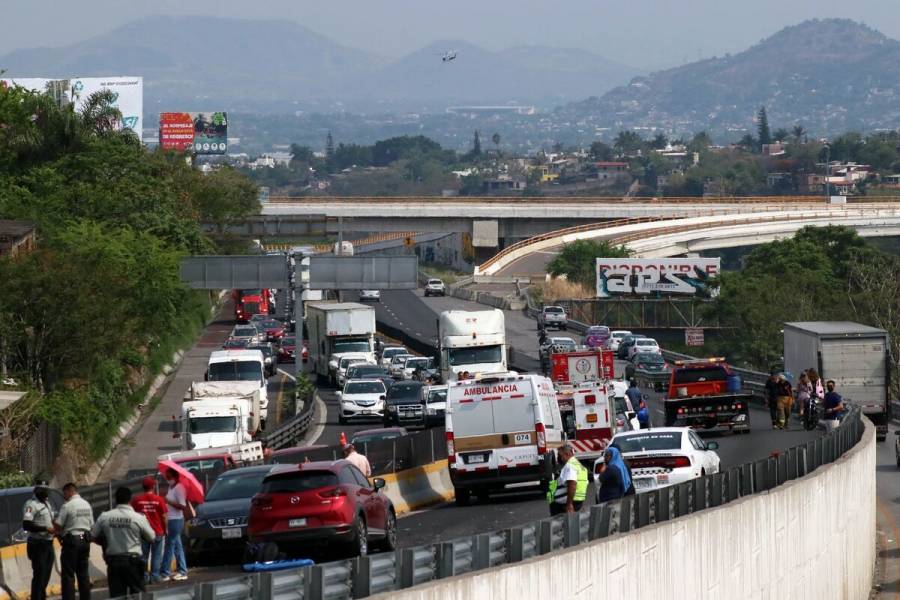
122 530
772 397
834 407
568 491
785 401
615 477
804 393
357 460
38 522
634 394
643 415
73 524
176 498
154 507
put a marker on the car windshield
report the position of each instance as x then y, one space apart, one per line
364 387
648 441
300 481
245 331
212 424
649 357
554 309
232 343
271 324
359 346
364 371
239 370
203 464
619 335
232 487
621 405
645 343
345 362
266 350
403 392
702 374
392 352
435 282
474 356
399 359
416 363
598 330
288 341
437 396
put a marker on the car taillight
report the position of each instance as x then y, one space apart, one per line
451 448
333 493
541 438
263 503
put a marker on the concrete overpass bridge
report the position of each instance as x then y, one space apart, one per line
661 237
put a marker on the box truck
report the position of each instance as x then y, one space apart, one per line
472 342
337 328
857 357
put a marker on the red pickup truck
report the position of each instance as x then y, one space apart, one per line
706 394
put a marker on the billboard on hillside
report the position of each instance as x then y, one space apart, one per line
645 276
199 133
128 94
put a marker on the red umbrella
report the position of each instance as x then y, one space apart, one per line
186 478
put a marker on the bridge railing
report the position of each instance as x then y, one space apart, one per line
543 200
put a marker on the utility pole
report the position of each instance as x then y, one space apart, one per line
827 172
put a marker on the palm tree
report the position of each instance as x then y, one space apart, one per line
98 115
798 132
496 139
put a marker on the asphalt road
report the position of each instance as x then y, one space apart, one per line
888 507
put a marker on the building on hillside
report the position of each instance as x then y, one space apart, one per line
892 181
777 180
612 170
503 184
16 237
776 149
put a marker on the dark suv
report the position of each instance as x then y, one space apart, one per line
319 504
405 405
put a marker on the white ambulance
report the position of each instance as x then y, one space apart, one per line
588 411
501 430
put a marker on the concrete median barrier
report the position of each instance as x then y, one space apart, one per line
768 545
419 487
15 572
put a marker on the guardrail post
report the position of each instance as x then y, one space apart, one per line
262 586
802 458
663 507
625 514
698 486
715 489
516 537
792 468
780 464
601 520
571 529
682 500
362 577
445 560
733 483
643 510
481 551
545 536
760 476
746 479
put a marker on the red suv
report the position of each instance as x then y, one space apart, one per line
322 503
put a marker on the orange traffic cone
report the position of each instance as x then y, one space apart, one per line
343 439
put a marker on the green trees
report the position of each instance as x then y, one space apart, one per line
577 261
762 127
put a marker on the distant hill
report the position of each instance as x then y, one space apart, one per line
196 63
829 75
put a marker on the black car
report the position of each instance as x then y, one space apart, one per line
367 371
221 521
626 343
268 351
650 368
404 405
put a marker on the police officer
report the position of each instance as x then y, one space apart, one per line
38 522
121 530
73 525
568 491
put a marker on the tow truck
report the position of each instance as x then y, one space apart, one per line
706 394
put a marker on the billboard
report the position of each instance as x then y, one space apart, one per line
199 133
644 276
128 94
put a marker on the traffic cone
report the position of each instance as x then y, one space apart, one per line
343 439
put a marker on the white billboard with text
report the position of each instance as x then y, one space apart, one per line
646 276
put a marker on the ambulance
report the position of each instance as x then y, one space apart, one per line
502 430
588 412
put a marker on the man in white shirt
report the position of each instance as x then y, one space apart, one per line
357 460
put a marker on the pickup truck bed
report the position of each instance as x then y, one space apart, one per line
725 412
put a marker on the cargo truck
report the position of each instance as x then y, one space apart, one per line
857 357
471 341
335 329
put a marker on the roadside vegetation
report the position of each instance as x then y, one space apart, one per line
93 313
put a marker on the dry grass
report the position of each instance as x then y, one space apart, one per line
562 289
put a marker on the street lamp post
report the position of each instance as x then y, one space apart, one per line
827 171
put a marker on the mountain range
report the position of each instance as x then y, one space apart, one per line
204 63
829 75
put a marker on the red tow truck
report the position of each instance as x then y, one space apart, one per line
250 302
706 394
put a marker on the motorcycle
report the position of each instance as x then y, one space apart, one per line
811 413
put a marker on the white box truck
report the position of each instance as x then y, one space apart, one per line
472 342
501 430
337 328
857 357
244 391
241 365
216 422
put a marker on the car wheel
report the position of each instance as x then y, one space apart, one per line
360 544
389 543
463 496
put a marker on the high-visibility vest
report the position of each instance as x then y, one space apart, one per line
559 493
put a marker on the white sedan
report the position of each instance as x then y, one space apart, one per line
664 456
644 345
362 399
615 338
369 296
413 363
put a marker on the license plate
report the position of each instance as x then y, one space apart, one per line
297 523
231 533
643 484
662 478
475 458
367 412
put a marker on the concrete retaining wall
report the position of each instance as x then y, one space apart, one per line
813 538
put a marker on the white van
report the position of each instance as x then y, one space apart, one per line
502 429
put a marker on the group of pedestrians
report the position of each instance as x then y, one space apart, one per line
568 491
136 530
781 398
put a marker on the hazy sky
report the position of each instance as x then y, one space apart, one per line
642 33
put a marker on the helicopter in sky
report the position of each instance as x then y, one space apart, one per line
448 56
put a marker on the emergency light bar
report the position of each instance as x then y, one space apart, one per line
681 363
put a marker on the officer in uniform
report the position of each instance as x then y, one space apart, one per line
38 522
568 491
121 530
73 525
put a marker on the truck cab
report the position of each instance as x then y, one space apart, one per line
214 423
241 365
706 394
471 342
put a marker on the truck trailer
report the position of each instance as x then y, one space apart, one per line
857 357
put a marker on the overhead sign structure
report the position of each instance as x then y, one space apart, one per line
128 93
329 272
234 272
644 276
199 133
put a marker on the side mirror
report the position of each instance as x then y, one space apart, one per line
339 394
712 445
378 483
206 376
630 415
383 397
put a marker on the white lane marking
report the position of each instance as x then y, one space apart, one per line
286 374
322 409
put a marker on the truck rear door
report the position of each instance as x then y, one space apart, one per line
858 368
593 421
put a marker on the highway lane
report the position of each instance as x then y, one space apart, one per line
888 521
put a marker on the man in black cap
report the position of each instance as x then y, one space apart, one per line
38 522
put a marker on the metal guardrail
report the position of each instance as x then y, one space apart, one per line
364 576
289 433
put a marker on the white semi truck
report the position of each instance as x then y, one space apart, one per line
241 366
473 342
220 413
336 329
